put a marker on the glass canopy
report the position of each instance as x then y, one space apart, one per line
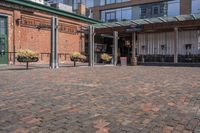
148 21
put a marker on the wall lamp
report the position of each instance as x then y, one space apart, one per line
18 21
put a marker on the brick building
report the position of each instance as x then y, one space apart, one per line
27 25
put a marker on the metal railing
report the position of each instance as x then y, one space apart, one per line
12 56
169 58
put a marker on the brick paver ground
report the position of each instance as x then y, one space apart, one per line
100 100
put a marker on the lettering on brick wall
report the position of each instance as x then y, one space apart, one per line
45 24
65 28
35 23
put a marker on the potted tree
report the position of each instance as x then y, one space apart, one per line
77 57
106 58
26 56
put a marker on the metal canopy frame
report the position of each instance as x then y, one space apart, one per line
148 21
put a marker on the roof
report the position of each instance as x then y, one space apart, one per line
148 21
45 8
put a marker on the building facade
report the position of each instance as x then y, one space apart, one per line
123 10
27 25
165 31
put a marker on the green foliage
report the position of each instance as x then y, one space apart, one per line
105 57
27 54
76 56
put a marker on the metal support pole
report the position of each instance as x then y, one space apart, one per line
91 45
54 44
115 47
175 45
133 58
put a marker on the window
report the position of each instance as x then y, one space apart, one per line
173 8
153 10
110 1
120 14
156 10
76 3
195 6
3 26
126 14
89 3
111 16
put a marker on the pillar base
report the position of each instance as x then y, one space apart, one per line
134 61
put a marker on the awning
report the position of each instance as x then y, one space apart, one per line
148 21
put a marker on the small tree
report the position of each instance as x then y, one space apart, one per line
106 58
77 57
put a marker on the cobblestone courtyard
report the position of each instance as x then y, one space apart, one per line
100 100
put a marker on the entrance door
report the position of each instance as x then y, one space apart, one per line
3 41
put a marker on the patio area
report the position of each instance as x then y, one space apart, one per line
102 99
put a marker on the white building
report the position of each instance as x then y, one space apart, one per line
38 1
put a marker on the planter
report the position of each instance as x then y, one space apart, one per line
74 60
106 58
77 57
27 60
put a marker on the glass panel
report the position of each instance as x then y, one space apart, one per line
169 19
197 16
2 45
103 16
110 1
184 17
126 14
195 6
3 26
110 16
118 15
155 20
102 2
136 12
90 3
173 8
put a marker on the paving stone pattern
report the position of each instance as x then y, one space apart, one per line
100 100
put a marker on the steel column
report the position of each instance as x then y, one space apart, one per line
133 58
91 46
54 43
176 45
115 47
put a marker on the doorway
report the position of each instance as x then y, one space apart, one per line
3 40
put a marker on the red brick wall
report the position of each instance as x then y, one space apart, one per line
40 39
185 7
